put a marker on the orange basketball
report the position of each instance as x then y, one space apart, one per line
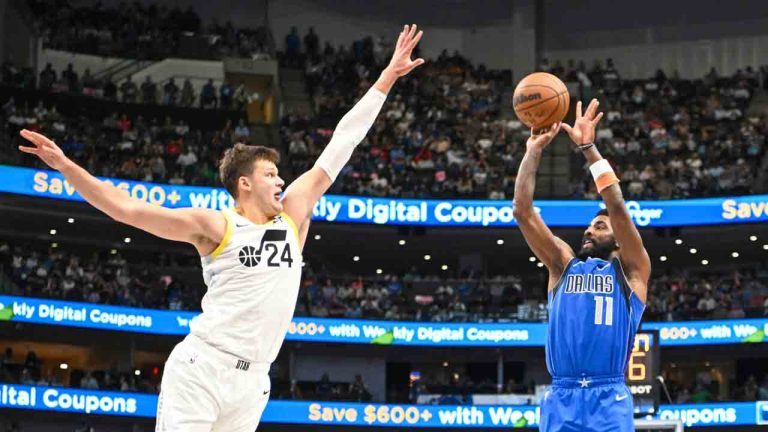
540 100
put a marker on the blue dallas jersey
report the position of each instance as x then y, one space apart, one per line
593 318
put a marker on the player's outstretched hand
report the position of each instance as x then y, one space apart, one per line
583 129
542 140
44 148
401 63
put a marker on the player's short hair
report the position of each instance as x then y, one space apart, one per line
239 160
602 212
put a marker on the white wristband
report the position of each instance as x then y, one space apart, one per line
599 168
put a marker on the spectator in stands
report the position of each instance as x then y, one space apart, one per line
324 387
26 377
358 390
242 133
148 91
110 89
423 168
47 77
7 357
88 382
240 97
32 363
311 43
701 395
140 31
296 393
762 391
750 388
182 128
89 83
677 295
187 162
611 80
225 96
736 311
70 78
208 95
157 168
293 47
126 383
707 303
393 314
171 93
6 360
176 178
187 94
336 309
128 91
298 147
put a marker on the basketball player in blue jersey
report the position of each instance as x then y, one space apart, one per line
216 378
596 296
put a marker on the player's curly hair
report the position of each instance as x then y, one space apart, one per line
239 160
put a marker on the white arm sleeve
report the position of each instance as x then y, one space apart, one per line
351 129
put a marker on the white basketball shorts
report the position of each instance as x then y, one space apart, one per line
206 390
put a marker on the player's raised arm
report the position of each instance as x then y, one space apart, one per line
634 258
552 251
202 227
303 193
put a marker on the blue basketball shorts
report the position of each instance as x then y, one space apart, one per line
587 404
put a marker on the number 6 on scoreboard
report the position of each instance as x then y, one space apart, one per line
637 366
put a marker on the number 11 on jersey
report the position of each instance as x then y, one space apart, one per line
599 301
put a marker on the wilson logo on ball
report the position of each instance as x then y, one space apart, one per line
525 98
540 99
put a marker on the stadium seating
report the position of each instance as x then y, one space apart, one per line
680 294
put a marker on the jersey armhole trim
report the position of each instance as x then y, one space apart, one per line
562 275
293 226
625 282
227 235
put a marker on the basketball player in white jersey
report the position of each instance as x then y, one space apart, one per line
216 378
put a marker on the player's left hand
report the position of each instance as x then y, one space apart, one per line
583 129
401 63
540 139
44 148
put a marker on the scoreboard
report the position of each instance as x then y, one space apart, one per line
643 371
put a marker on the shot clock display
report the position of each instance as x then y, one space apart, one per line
643 371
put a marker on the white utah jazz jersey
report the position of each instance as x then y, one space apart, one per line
253 280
